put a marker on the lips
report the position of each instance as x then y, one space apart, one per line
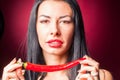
55 43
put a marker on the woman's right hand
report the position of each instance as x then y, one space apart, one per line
13 71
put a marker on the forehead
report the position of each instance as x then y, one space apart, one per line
54 7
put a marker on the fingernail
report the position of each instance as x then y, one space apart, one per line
14 59
23 72
19 60
85 56
80 71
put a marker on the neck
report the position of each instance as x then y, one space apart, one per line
55 59
59 75
52 59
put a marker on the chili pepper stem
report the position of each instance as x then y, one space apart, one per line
24 65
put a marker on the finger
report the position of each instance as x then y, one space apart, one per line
19 70
94 73
89 69
13 79
85 77
12 67
9 67
87 57
90 62
23 72
12 75
12 62
19 61
20 74
82 66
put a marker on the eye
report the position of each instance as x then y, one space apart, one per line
65 21
44 21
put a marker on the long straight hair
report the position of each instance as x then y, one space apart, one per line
78 47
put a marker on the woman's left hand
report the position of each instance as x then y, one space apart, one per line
89 70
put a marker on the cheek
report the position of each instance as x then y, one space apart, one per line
68 35
41 39
41 35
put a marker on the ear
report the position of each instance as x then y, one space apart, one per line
1 24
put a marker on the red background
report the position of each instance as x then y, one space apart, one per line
101 20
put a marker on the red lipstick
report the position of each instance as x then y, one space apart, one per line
55 43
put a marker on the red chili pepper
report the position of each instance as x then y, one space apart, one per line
50 68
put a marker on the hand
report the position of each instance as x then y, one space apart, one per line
89 70
13 71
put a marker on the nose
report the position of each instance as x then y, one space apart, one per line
55 30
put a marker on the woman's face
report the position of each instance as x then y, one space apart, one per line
54 27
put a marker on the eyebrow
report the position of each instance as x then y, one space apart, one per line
65 16
44 16
59 17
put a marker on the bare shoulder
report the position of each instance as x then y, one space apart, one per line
105 75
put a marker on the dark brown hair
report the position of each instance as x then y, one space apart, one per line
77 50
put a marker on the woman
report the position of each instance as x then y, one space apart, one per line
56 36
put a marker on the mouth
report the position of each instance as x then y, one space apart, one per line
55 43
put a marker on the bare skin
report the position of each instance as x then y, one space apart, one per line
95 73
52 24
13 71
